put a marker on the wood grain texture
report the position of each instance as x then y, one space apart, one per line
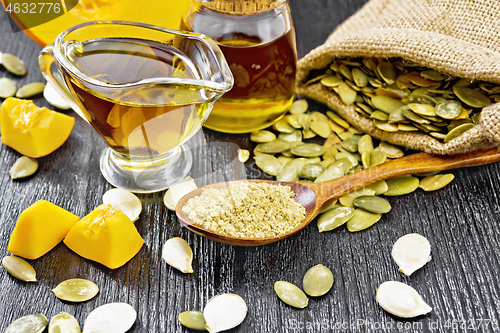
461 283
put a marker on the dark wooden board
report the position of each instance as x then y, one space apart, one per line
461 283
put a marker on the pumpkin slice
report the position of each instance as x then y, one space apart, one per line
40 227
33 131
105 235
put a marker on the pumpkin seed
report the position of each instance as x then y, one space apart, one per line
387 72
346 93
224 312
262 136
243 155
291 294
283 126
7 87
372 204
321 128
193 320
175 193
436 182
290 172
330 153
299 106
283 159
332 140
295 136
401 300
19 268
432 75
334 218
64 323
366 159
308 150
312 171
386 104
457 131
268 163
330 81
362 219
348 199
76 290
411 252
331 172
377 157
317 281
345 161
410 115
385 126
417 79
359 77
13 64
379 115
178 254
422 109
294 120
309 134
401 185
34 323
337 119
23 167
471 97
273 147
379 187
344 70
407 128
54 97
390 150
351 143
30 89
125 201
110 318
319 117
449 109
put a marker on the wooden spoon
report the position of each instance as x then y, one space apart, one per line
313 195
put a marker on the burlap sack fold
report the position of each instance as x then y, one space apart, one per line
459 37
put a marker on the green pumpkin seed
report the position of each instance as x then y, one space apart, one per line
299 106
377 157
294 120
334 218
386 104
390 150
372 204
308 150
457 131
268 163
379 187
19 268
309 134
471 97
331 172
375 82
351 143
330 204
387 72
273 147
76 290
353 158
346 93
385 126
436 182
449 109
321 128
401 185
330 153
348 199
319 117
359 77
284 160
295 136
30 89
23 167
458 122
262 136
34 323
362 219
317 281
344 70
422 109
432 75
193 320
64 323
13 64
407 128
7 87
330 81
312 171
283 126
410 115
291 294
437 135
379 115
290 172
366 159
333 116
313 160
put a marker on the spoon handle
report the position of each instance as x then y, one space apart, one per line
416 163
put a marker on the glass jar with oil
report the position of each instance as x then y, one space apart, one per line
258 40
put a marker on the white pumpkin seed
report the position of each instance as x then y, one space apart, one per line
125 201
19 268
177 191
54 97
317 281
7 87
23 167
34 323
291 294
178 254
30 89
243 155
411 252
224 312
110 318
76 290
401 300
64 323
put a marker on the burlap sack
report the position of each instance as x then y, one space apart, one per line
459 37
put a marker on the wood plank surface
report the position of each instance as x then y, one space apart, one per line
461 221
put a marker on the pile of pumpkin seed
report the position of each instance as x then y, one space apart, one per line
399 95
346 150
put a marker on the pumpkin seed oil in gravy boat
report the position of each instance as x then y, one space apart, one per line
258 42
